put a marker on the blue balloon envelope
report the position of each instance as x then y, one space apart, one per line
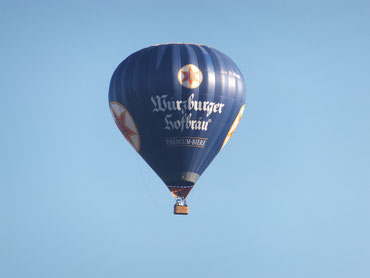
177 105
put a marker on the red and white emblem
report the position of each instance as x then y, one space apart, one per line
190 76
234 126
126 124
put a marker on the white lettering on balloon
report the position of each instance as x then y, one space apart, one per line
164 103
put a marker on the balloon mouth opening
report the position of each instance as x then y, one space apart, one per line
180 191
180 184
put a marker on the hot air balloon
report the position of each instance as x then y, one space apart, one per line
177 105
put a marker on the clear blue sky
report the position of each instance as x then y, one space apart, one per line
290 192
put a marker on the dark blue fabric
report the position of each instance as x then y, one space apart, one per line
151 74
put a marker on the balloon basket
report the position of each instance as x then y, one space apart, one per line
181 209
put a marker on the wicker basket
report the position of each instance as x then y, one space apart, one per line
183 210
